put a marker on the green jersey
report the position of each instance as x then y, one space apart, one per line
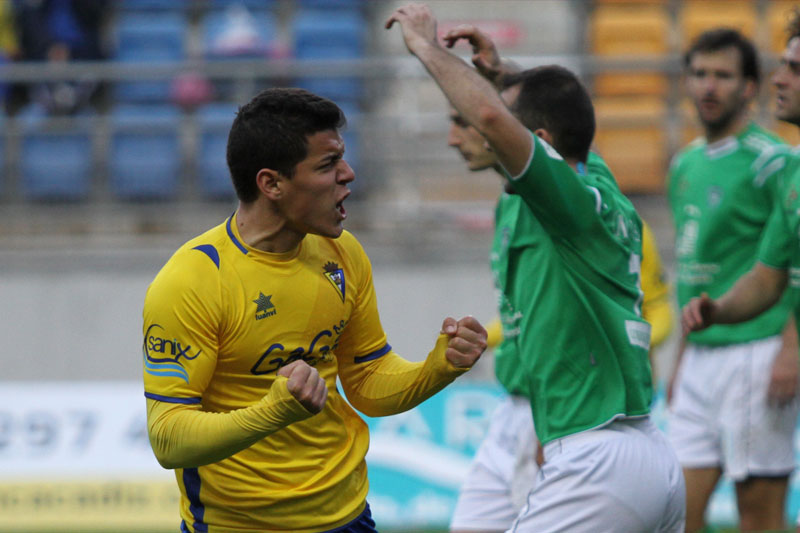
721 196
781 243
510 213
571 280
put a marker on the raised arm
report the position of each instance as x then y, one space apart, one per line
473 96
484 54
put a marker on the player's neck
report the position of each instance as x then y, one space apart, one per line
577 166
734 127
263 229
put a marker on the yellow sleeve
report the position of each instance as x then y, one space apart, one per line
184 436
390 384
494 331
656 306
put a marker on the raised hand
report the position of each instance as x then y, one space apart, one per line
467 341
484 53
697 314
417 24
305 385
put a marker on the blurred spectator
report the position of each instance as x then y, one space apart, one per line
9 47
237 33
58 31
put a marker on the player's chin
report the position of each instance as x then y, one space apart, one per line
334 231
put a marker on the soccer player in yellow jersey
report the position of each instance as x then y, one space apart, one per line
248 326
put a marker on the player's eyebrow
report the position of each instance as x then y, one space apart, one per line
330 158
793 65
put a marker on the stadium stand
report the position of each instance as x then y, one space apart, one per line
697 16
149 38
630 104
640 29
145 154
213 123
636 85
777 18
322 35
237 32
55 162
632 139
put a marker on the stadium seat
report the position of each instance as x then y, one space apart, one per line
697 16
630 29
320 35
788 132
632 139
144 37
214 122
249 4
153 5
145 155
238 32
55 159
331 4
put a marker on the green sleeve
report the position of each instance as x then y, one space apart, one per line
776 240
555 193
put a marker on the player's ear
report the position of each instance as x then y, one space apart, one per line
750 88
269 182
544 135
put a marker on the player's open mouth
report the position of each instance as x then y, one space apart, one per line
341 209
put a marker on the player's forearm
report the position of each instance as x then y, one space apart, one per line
391 384
751 295
185 437
789 336
473 96
505 69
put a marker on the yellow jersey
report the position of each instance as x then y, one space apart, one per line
220 319
656 307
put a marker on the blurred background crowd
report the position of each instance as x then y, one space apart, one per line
127 102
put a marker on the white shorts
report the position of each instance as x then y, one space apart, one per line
502 472
621 477
720 416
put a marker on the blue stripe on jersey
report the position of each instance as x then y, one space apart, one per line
363 523
165 369
191 482
184 529
374 355
210 251
170 399
233 237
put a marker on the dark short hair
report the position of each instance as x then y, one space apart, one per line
793 26
720 39
271 131
552 97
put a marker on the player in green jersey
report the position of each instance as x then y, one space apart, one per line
722 188
255 329
573 285
503 467
779 257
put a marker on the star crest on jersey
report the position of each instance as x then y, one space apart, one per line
336 276
264 306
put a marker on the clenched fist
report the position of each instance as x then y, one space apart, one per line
305 385
467 341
